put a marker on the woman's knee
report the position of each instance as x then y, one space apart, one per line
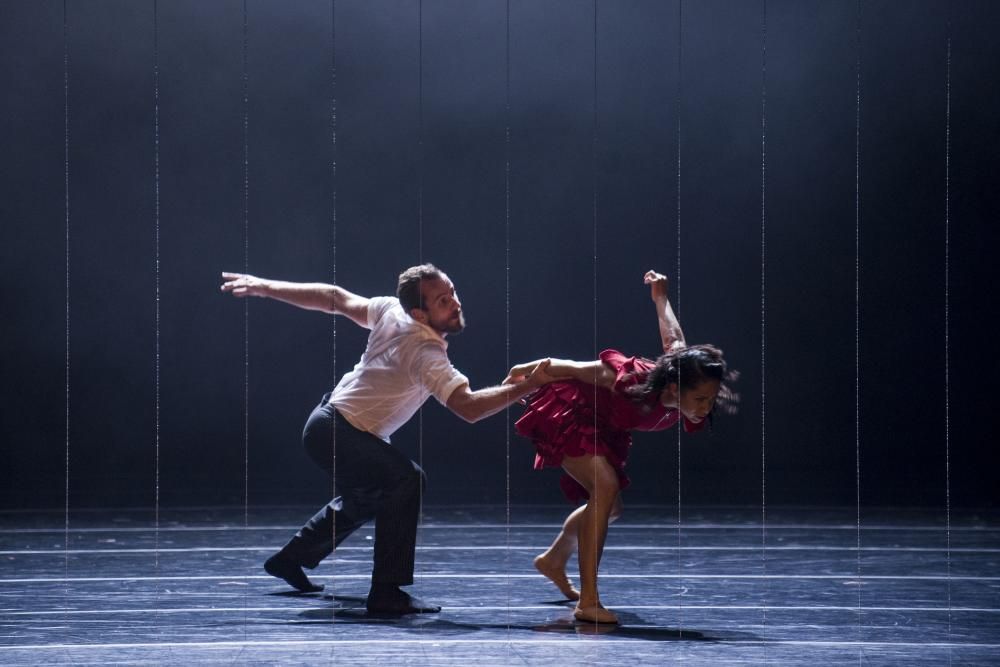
604 488
605 491
616 509
596 475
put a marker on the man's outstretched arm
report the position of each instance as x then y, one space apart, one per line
475 405
311 296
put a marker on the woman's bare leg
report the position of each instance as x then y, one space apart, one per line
552 562
601 482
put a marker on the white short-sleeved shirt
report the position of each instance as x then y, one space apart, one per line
404 363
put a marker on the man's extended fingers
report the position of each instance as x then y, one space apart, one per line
232 276
235 283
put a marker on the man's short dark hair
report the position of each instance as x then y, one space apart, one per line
408 290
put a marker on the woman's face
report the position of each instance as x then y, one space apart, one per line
695 403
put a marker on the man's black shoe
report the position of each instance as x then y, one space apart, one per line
391 601
282 568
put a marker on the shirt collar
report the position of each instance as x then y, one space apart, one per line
427 331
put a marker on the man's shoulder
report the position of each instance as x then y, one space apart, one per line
381 306
389 318
384 303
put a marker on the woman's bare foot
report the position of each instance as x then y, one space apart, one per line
557 575
594 614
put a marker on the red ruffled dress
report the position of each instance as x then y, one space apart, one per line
573 418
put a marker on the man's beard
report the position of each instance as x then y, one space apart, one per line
453 326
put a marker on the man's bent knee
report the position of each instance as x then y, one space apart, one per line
406 473
417 476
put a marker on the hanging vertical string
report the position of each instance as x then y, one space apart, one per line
420 148
156 277
420 208
593 182
506 180
857 309
947 323
333 251
677 269
246 269
246 302
763 319
66 209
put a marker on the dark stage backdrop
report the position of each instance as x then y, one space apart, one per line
420 175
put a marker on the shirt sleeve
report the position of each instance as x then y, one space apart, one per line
379 306
432 369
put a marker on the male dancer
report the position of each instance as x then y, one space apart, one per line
405 361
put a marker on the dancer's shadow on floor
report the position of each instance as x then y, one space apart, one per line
351 610
317 595
631 627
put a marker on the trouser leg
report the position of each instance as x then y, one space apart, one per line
330 441
373 480
396 529
321 534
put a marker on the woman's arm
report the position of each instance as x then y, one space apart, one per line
596 372
475 405
670 329
591 372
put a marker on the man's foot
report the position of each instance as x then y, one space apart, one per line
390 600
594 614
282 568
557 575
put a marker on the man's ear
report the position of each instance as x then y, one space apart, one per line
418 315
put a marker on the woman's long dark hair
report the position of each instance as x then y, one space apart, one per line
688 367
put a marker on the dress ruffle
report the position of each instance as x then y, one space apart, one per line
560 421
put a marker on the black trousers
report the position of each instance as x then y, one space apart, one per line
371 480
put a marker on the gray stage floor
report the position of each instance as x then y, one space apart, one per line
706 593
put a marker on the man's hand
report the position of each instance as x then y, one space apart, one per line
242 284
519 373
540 374
475 405
658 284
535 372
310 296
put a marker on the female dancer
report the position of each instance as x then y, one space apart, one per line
582 423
